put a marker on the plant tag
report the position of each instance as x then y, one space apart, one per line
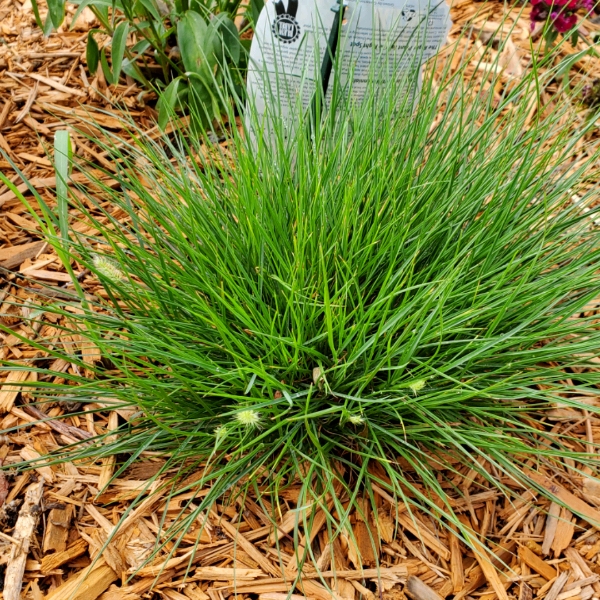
291 39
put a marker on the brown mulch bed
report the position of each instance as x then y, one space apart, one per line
55 520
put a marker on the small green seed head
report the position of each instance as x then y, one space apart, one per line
107 267
356 419
417 386
249 418
220 433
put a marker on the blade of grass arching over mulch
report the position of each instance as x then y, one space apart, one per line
357 314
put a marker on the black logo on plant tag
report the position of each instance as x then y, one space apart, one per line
409 14
285 27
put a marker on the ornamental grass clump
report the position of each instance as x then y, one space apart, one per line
397 295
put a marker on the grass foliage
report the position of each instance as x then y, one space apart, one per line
380 303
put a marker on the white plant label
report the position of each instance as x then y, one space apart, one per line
291 36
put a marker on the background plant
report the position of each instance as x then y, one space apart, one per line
561 17
182 47
400 288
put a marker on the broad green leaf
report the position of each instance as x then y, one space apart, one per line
36 14
192 31
229 37
202 94
550 36
256 7
212 46
200 88
119 44
48 26
102 10
152 9
62 163
140 47
105 67
200 7
128 67
168 101
115 4
574 38
128 10
56 12
92 53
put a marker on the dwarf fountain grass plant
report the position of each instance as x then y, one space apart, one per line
401 294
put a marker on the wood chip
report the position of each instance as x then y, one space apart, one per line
565 528
57 529
525 592
31 454
226 574
412 523
277 596
88 585
248 547
10 389
557 586
576 504
53 84
418 590
488 568
15 255
457 572
48 275
23 532
551 524
536 563
56 560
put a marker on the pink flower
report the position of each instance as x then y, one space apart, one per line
561 13
539 12
562 22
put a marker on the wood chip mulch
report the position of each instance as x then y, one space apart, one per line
54 521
